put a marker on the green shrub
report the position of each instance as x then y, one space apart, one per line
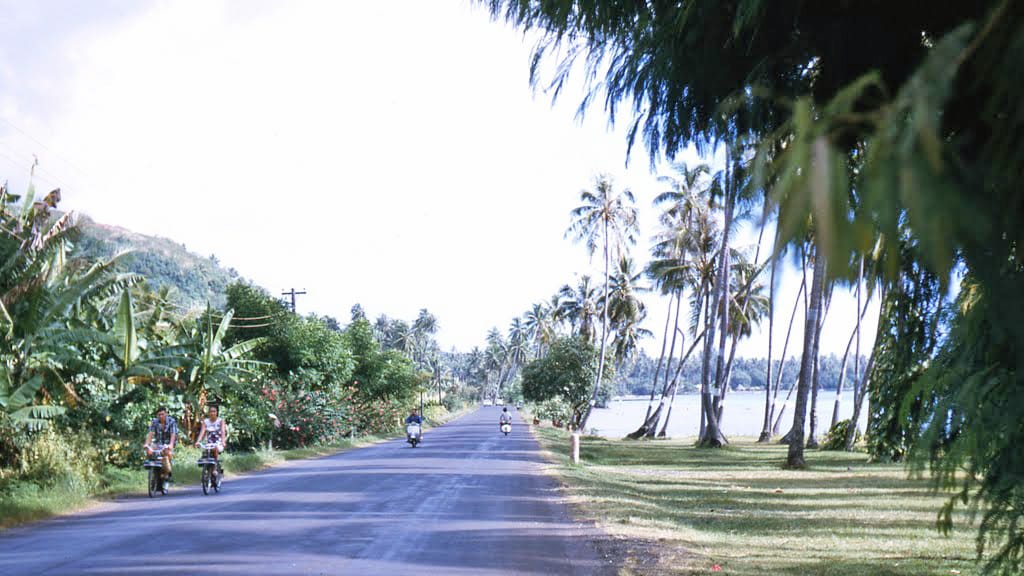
12 440
836 437
435 413
54 457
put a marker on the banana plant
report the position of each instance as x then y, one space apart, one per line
208 367
18 402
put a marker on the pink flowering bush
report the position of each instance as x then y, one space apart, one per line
306 417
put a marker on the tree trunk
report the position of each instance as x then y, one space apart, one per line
803 269
812 437
650 424
842 377
858 401
679 368
766 431
795 457
782 412
774 430
604 337
860 386
713 436
661 359
675 381
705 366
842 370
728 376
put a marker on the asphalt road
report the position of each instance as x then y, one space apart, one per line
467 501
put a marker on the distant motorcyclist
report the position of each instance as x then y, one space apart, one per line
506 418
162 436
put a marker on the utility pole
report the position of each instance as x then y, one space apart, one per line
292 293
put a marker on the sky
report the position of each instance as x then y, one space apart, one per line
388 154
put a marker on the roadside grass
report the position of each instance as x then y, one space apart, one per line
22 502
738 509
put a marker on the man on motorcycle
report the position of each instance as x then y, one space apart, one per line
506 418
162 436
414 418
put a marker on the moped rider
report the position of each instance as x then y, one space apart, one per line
162 436
414 418
215 432
506 418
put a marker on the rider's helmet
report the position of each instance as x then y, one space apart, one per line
505 409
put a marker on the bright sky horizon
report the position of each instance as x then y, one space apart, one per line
387 154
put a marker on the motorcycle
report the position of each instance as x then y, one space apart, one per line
155 467
212 474
506 427
414 434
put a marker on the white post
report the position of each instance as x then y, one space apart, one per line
574 454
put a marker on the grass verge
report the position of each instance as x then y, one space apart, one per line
736 511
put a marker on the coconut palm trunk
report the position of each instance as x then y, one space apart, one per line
795 458
782 365
713 436
860 385
854 337
812 435
650 424
675 381
747 291
766 431
661 359
604 336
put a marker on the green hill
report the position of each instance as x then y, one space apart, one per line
195 279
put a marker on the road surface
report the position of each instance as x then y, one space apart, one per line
467 501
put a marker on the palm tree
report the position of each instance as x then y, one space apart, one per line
579 306
540 325
495 362
682 260
625 310
747 307
423 329
518 346
609 219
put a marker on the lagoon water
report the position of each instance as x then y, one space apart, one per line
743 415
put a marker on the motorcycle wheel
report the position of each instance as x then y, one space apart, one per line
154 482
206 479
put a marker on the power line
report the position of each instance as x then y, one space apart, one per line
45 147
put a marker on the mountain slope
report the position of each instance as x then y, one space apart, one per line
194 279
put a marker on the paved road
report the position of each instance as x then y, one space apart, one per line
467 501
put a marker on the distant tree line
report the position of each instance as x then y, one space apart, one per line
636 376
